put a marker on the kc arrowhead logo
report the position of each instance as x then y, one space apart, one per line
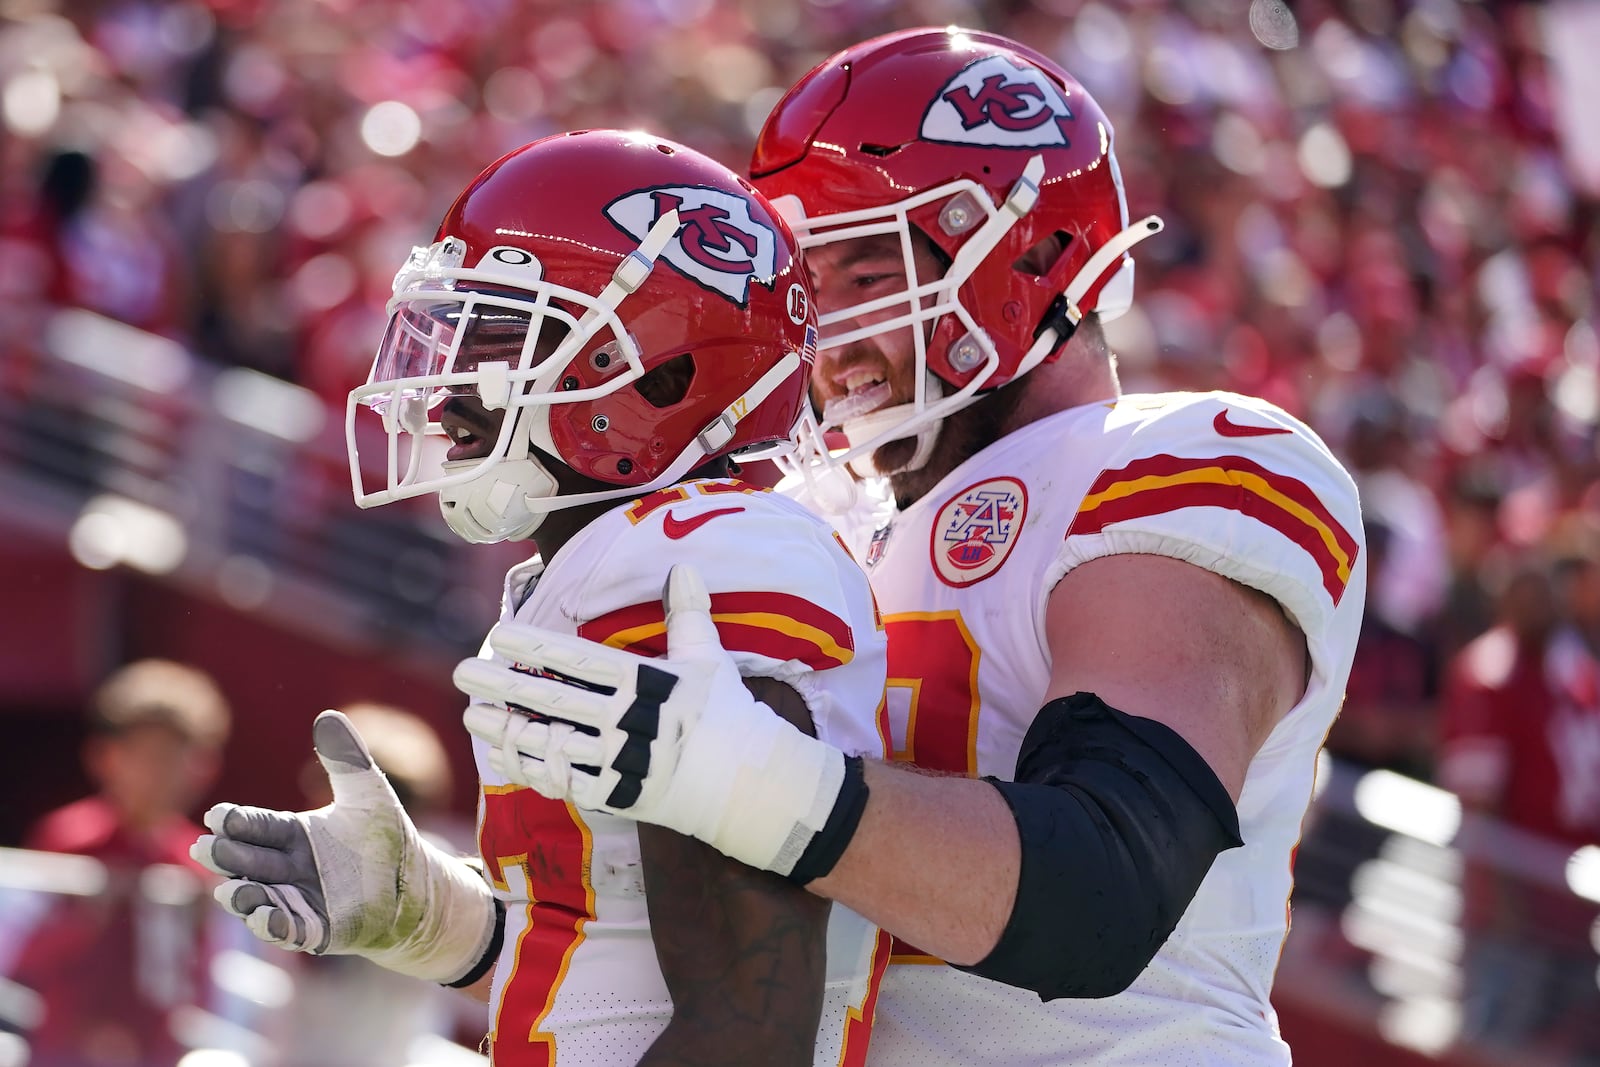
999 104
718 244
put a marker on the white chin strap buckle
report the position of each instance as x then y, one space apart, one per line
866 464
495 506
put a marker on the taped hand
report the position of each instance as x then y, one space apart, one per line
678 742
352 878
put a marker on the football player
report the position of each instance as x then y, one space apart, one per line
1119 625
602 322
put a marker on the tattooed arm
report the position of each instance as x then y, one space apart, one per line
742 950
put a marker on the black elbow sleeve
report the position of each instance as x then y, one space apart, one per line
1120 819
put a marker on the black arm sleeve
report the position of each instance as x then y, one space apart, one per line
1120 819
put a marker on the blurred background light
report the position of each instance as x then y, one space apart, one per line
1324 156
1408 806
114 530
137 357
391 128
1273 24
1583 872
31 102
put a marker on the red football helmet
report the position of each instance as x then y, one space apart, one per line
987 148
635 307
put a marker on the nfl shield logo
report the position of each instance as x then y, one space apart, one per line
880 542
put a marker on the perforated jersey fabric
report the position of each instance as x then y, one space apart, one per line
1225 482
578 973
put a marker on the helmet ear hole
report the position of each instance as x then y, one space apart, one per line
1042 258
929 245
667 384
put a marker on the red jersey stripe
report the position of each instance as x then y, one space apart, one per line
1164 483
777 625
858 1022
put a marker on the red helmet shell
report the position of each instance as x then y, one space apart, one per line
911 111
728 289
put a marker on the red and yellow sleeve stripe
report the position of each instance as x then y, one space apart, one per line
1159 484
776 625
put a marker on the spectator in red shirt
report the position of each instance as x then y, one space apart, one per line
1521 748
111 969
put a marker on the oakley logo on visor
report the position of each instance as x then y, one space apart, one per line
718 246
511 258
998 104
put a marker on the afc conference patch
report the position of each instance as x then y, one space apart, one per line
975 530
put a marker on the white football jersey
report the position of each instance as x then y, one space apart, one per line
577 983
963 576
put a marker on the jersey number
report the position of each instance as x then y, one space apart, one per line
932 699
553 867
932 705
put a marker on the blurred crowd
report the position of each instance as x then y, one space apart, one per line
1383 215
131 963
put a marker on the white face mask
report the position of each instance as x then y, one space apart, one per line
967 208
501 332
916 307
497 331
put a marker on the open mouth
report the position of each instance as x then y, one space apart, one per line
864 391
471 431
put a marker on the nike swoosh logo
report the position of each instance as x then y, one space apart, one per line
1227 428
676 528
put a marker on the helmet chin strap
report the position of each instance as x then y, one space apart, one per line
494 507
511 497
868 426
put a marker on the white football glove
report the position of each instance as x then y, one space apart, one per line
678 742
352 878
